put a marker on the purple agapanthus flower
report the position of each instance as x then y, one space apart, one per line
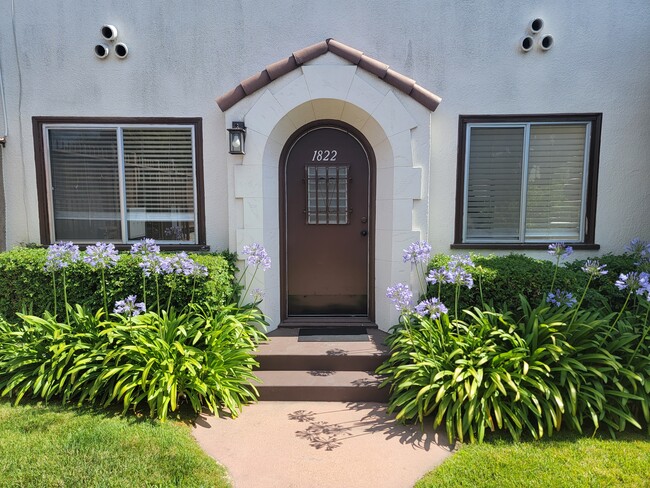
151 264
431 307
417 252
640 249
102 255
145 247
257 295
438 275
638 283
401 296
129 306
560 250
594 268
458 276
61 255
457 260
561 297
257 256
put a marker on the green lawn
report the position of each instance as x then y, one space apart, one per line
563 461
54 446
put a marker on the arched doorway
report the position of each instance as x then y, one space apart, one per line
327 221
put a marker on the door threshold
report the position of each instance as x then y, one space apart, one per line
324 321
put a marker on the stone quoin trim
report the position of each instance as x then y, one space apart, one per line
300 57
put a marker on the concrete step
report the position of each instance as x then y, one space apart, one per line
285 352
320 385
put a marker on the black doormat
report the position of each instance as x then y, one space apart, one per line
333 334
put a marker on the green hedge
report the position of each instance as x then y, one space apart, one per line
24 285
504 278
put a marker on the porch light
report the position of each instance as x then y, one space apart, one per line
237 137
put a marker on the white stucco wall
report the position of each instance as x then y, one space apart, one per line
185 53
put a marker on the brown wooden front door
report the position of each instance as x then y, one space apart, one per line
327 224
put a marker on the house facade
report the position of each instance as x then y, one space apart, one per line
477 126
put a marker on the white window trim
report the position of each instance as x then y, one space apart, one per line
122 177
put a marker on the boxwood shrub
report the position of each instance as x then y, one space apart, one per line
25 286
503 278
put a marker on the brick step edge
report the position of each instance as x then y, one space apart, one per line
290 362
320 385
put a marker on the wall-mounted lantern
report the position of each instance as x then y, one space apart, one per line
237 136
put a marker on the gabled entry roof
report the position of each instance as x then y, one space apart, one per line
300 57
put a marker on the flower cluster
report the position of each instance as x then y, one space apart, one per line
594 268
560 250
145 247
129 306
431 307
61 255
454 272
561 297
257 256
401 296
417 252
639 248
635 282
101 255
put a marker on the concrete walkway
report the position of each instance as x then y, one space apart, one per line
320 445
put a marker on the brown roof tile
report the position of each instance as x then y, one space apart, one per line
284 66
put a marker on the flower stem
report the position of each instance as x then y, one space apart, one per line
627 299
104 293
144 289
557 265
54 291
645 332
575 314
157 296
242 298
65 299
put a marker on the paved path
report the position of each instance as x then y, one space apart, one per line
320 445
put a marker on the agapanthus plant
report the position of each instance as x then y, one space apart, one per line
560 251
102 256
150 262
59 256
256 256
432 307
640 250
594 270
129 307
418 254
561 298
400 295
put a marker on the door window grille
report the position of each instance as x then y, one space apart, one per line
327 194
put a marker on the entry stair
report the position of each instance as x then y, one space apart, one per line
324 370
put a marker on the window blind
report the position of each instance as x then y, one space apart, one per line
555 182
494 183
159 182
85 183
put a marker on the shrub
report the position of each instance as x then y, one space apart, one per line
202 356
24 285
502 279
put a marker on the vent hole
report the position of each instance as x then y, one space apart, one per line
547 42
536 25
526 43
101 51
121 50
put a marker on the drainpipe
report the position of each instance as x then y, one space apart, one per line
3 104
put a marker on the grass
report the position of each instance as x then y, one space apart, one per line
52 446
565 460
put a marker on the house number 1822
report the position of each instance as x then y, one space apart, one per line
324 155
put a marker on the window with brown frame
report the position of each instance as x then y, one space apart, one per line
525 181
120 180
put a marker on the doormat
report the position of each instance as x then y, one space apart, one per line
333 334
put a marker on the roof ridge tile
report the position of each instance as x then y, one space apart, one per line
280 68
